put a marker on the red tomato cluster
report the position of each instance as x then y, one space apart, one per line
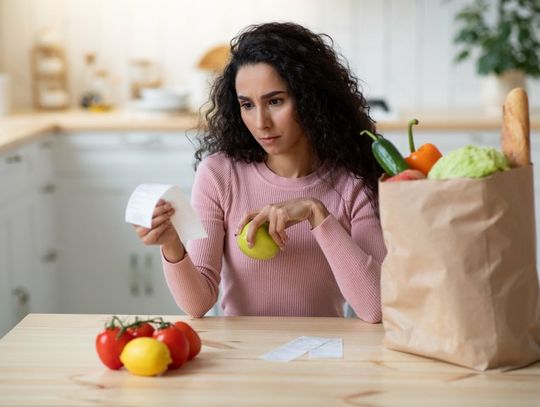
182 340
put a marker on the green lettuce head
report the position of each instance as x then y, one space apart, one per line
469 162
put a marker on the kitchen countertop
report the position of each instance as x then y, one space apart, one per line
20 128
49 359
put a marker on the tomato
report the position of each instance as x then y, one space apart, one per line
109 348
177 343
144 329
192 336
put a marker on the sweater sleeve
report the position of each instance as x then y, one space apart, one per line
194 280
355 258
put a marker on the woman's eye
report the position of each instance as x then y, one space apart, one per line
276 101
245 105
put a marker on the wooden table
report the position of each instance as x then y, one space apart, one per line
49 360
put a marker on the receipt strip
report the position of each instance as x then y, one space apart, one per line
300 346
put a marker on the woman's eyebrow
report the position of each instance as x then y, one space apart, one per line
265 96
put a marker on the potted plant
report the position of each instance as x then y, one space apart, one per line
503 37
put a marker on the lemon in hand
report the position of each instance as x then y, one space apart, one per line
264 248
145 356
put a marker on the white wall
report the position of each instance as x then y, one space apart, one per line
401 49
2 35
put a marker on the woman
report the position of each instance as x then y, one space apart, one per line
282 146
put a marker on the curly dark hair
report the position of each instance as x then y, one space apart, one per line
330 107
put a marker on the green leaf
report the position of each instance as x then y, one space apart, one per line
463 55
467 37
505 32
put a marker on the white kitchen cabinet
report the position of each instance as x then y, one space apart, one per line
27 243
126 158
23 269
104 267
7 318
16 171
149 293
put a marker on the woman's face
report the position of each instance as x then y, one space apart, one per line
268 110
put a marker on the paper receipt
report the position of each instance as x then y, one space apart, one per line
318 348
333 349
144 199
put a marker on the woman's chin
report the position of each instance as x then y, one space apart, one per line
274 150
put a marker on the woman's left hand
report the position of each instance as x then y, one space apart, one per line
282 215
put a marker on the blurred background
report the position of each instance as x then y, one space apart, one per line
99 96
402 50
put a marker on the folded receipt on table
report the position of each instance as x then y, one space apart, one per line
144 199
317 347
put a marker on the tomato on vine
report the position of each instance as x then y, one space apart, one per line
176 341
110 342
140 329
181 340
192 336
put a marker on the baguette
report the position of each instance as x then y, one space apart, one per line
515 138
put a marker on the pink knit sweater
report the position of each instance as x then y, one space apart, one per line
320 269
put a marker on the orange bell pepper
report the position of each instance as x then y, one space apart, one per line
425 157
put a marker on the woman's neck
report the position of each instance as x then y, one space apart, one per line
292 165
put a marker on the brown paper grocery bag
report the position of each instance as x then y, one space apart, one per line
459 282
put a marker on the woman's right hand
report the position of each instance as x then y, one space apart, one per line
163 233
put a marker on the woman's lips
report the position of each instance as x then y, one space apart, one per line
268 140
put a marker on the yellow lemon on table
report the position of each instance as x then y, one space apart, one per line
145 356
264 248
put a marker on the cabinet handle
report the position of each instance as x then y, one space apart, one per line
48 188
148 286
22 302
50 257
134 288
22 295
12 159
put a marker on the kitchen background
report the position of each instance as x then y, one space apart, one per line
66 176
401 49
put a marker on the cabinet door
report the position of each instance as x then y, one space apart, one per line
105 267
149 292
93 258
43 195
45 226
6 315
27 243
17 172
24 279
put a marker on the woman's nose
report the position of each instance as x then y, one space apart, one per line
264 120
